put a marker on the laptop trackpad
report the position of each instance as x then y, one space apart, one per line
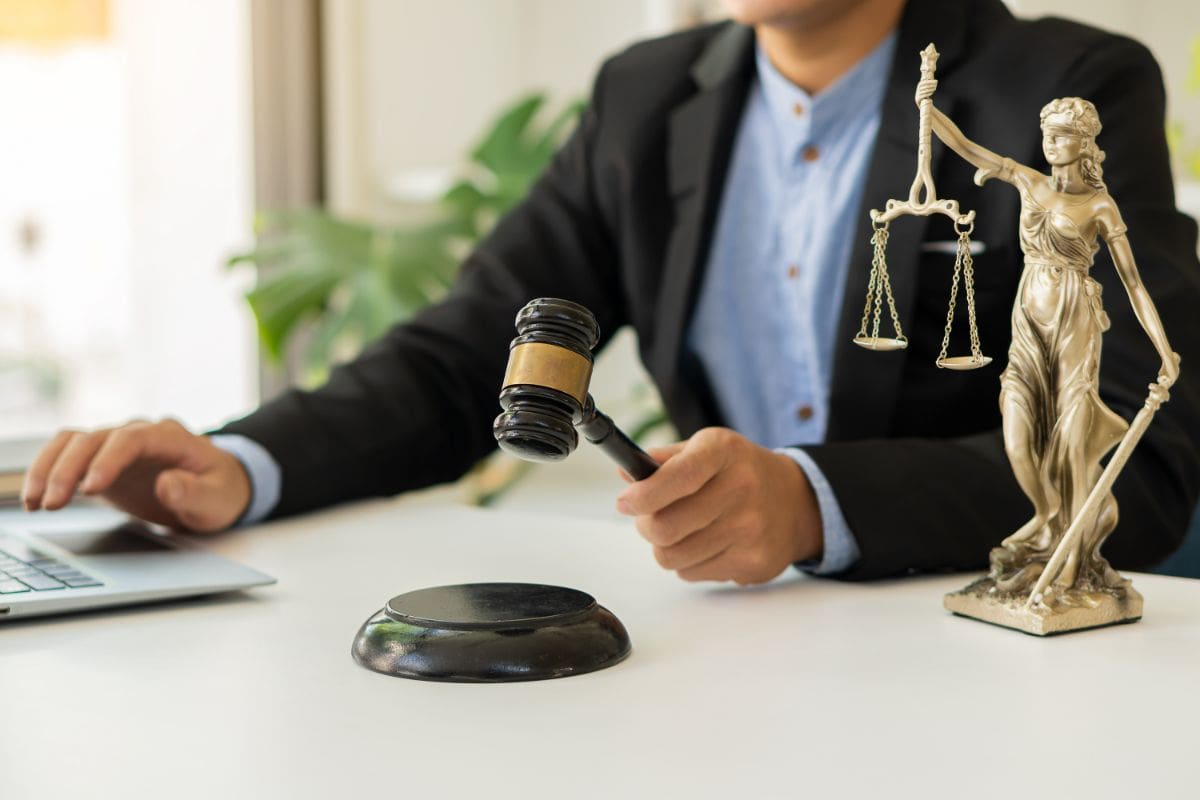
124 539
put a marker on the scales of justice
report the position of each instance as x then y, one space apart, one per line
1048 576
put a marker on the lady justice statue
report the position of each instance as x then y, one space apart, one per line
1049 576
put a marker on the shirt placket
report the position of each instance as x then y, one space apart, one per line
797 270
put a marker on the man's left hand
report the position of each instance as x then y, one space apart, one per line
722 508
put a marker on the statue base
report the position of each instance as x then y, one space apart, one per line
1070 610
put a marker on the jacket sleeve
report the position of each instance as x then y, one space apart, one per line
416 407
928 504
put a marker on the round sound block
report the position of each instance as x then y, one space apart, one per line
491 633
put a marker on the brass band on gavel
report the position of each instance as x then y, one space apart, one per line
551 366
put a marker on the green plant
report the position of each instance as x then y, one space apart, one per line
328 285
1187 154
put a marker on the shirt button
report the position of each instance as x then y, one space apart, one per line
811 153
798 109
805 413
793 271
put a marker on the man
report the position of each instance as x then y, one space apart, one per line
715 198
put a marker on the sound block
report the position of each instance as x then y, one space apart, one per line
491 633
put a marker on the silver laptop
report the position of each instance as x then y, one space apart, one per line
81 565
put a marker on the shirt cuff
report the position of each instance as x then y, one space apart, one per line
266 478
841 548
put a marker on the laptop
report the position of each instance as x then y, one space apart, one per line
82 565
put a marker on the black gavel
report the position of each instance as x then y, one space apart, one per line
545 392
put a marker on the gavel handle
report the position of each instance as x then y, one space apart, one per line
599 429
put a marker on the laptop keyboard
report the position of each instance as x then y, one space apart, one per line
23 569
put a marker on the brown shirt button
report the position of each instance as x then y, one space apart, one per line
805 413
793 271
811 153
798 109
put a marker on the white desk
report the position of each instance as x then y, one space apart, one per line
803 688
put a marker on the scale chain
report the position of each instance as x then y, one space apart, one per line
964 246
870 289
964 267
891 301
958 266
878 267
878 286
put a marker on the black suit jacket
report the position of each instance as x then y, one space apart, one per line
622 222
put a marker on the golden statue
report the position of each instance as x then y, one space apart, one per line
1049 576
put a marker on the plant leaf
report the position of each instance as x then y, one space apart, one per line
501 150
280 301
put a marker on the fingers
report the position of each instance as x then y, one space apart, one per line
165 441
659 454
664 453
159 472
692 465
695 549
39 470
713 569
69 468
91 461
684 517
718 553
66 464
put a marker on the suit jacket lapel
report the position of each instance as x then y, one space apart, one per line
699 143
865 383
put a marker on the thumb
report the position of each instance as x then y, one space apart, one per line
197 501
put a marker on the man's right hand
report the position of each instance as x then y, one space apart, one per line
156 471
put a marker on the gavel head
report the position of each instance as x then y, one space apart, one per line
545 391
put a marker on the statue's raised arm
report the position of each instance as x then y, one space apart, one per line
988 164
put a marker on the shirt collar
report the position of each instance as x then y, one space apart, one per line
800 118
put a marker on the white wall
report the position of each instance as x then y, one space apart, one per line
412 84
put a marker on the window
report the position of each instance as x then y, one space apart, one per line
125 156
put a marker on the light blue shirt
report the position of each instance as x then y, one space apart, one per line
266 478
775 274
766 320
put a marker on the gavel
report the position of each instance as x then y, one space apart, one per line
545 393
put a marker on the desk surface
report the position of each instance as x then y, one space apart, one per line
800 687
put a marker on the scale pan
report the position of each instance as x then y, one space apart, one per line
964 362
880 343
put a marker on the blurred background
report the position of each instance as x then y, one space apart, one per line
146 144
